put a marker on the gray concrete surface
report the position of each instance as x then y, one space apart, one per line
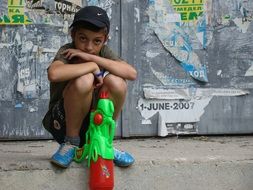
171 163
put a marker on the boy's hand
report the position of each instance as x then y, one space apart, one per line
70 53
98 79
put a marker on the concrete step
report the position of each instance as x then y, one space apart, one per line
171 163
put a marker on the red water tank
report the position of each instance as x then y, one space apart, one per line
101 174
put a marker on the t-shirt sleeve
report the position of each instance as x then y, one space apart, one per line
59 56
107 53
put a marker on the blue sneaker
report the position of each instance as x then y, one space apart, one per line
64 155
122 159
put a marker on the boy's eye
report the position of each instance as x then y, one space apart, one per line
82 38
98 42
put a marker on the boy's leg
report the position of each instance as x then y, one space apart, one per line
77 101
117 88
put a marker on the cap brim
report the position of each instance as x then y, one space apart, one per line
91 21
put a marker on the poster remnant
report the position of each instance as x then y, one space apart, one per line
170 80
172 112
180 109
177 36
189 10
66 7
16 14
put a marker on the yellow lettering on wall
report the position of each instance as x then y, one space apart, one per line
189 10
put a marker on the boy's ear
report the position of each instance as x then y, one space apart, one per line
106 38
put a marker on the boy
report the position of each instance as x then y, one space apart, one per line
81 69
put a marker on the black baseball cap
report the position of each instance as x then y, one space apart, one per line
94 15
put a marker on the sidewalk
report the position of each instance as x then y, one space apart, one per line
171 163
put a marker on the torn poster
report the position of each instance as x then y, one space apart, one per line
176 36
179 109
173 112
189 10
170 80
16 14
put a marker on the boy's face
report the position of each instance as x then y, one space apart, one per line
89 41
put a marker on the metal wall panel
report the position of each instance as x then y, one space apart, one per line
26 49
194 62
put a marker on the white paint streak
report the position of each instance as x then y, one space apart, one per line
33 109
200 37
219 72
151 54
137 14
249 72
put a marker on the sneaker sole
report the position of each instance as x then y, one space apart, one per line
58 164
122 166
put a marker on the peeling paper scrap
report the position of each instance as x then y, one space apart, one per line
189 93
224 92
165 128
173 17
173 111
249 72
168 94
167 80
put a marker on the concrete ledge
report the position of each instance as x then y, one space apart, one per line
199 163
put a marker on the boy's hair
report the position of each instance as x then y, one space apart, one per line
91 17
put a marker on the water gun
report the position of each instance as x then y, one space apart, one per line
98 147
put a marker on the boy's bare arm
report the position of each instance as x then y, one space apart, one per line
58 71
119 68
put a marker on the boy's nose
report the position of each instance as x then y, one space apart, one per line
89 47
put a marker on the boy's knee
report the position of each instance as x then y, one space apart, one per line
115 84
82 84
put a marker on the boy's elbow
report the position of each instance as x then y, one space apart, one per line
52 76
133 75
